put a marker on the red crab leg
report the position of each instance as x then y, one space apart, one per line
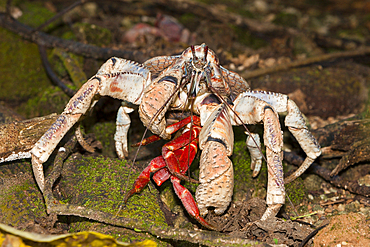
155 166
188 202
170 129
185 158
144 177
172 161
161 176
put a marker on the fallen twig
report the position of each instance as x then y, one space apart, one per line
282 67
49 41
59 14
312 234
53 77
351 186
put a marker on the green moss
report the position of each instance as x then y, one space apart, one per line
286 19
296 191
360 33
104 132
92 34
100 183
22 74
21 201
243 180
189 20
35 14
71 64
248 39
50 100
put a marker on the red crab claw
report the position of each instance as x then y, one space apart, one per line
176 155
173 163
170 129
183 157
144 177
161 176
156 166
188 202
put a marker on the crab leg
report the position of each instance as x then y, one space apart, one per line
122 125
118 78
252 110
184 194
159 165
170 129
182 155
76 107
216 174
177 154
296 125
188 202
173 164
254 146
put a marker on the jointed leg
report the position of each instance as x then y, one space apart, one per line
297 126
273 140
254 146
122 125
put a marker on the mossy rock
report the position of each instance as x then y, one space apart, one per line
325 92
51 100
21 200
286 19
22 74
99 183
104 132
243 180
35 14
23 79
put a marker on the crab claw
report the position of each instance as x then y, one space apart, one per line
144 177
189 203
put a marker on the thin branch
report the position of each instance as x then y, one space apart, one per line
59 14
204 237
63 153
8 7
49 41
53 77
312 234
353 187
282 67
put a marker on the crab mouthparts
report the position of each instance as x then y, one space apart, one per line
193 86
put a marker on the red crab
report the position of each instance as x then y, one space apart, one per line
177 155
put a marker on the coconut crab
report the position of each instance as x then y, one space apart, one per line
193 81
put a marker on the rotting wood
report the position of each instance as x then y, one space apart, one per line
17 138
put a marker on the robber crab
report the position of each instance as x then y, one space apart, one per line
193 81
